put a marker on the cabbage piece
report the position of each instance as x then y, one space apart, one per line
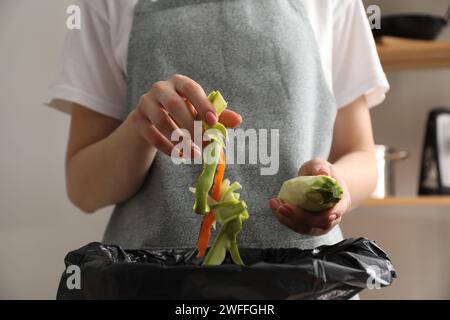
230 211
227 211
217 133
220 132
311 193
226 240
217 101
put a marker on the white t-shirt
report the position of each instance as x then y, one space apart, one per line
94 62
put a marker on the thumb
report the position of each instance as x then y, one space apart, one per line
315 167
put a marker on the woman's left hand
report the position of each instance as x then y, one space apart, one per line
310 223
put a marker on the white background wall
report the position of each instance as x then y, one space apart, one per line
38 225
416 239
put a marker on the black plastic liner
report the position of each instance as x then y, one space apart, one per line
338 271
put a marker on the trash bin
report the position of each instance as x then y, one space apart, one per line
337 271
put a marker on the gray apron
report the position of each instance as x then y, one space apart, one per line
263 57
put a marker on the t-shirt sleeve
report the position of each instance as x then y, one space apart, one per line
89 73
357 69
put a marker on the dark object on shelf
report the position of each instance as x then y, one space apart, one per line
413 26
435 166
338 271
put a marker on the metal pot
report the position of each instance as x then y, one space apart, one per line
386 157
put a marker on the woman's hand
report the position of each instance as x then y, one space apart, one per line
175 104
305 222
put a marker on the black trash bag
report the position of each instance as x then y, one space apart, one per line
338 271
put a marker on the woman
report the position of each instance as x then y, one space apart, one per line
137 70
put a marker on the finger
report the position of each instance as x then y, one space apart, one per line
320 231
158 117
290 221
274 204
174 104
291 224
339 208
230 119
346 202
341 181
191 108
315 167
153 136
335 223
194 93
284 215
302 217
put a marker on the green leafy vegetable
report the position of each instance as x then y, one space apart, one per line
312 193
204 182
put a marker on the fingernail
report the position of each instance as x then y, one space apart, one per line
333 217
285 211
210 118
274 203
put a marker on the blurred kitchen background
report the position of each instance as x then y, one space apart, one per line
38 225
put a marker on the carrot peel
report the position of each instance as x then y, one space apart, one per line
209 218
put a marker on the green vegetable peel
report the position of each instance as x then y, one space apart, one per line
228 209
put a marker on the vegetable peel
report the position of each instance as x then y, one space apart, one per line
224 205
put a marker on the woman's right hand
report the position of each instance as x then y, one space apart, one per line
175 104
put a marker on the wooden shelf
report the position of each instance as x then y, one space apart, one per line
404 54
413 201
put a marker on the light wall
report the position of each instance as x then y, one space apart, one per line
416 238
38 225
